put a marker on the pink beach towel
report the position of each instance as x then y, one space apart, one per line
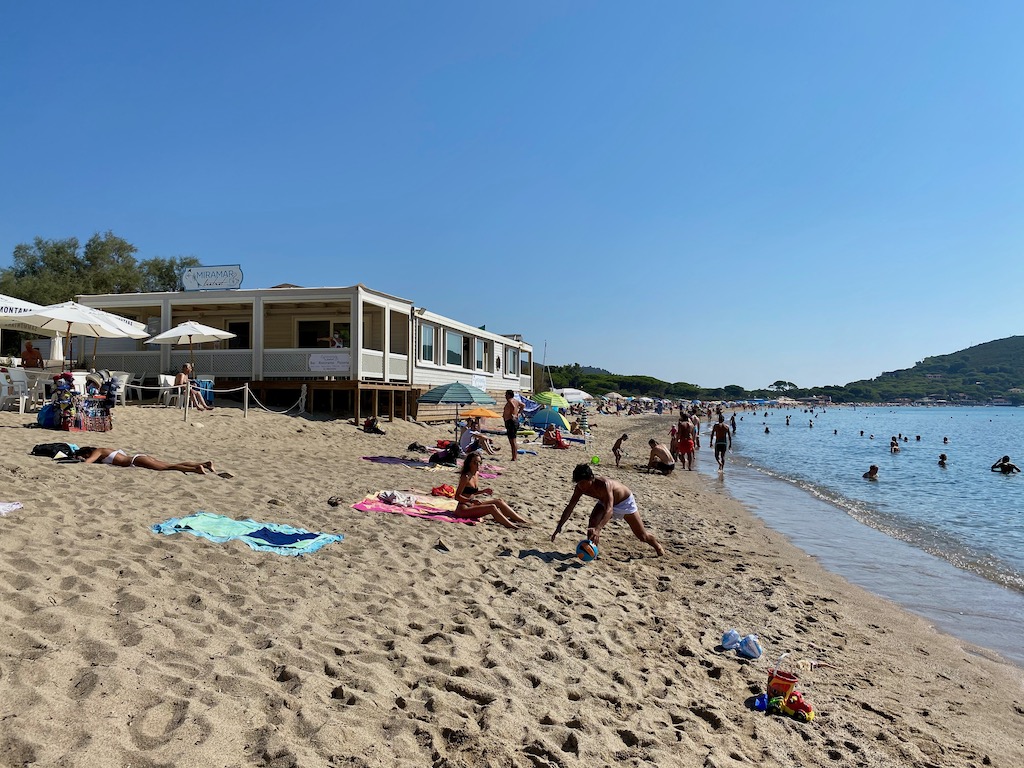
371 504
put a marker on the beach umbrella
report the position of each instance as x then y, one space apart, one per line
551 400
481 413
73 319
546 416
12 308
613 396
573 395
190 332
456 394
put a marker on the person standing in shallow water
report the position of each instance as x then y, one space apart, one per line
1004 466
872 473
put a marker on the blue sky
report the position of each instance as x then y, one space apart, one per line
718 193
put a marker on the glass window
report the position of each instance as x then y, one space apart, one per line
241 329
525 360
481 354
427 343
309 332
454 349
511 361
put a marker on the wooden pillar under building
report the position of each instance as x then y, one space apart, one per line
376 403
358 397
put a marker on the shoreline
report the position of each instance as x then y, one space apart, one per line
415 642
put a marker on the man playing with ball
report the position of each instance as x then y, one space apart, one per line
614 501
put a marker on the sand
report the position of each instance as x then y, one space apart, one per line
421 643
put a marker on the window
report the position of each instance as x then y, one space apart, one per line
427 343
309 332
481 354
525 360
342 331
241 330
454 348
511 361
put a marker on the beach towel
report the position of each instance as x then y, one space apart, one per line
413 463
6 507
267 537
426 509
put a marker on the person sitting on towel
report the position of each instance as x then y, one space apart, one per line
472 439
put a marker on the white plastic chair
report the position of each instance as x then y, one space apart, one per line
13 391
122 378
168 392
132 387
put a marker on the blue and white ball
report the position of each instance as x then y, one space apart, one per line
586 550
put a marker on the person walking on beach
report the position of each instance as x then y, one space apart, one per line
732 423
511 417
721 437
684 443
695 421
617 448
614 502
1004 466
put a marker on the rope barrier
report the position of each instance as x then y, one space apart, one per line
301 403
179 389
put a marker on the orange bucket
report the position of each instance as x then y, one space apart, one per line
781 683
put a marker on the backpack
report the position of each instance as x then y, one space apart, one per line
49 450
48 417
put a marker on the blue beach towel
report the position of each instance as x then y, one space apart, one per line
268 537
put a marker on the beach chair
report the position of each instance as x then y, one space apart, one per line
122 378
168 392
132 386
12 392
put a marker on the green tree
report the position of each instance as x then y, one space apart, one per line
160 274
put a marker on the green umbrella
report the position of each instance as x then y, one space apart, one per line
456 394
551 399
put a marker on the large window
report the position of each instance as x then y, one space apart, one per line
454 348
241 329
309 332
427 343
512 361
481 354
524 369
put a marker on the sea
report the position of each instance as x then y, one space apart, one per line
944 542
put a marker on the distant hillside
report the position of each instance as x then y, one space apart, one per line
990 370
980 374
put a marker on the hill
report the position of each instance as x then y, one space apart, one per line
993 371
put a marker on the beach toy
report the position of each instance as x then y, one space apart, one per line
781 683
749 647
731 640
586 550
761 702
792 705
595 460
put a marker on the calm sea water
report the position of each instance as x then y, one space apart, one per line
946 543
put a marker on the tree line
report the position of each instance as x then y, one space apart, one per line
51 271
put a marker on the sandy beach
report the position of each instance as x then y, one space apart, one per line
423 643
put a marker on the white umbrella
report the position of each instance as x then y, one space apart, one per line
573 395
190 332
73 319
11 309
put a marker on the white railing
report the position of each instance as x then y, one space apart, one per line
226 363
372 364
294 363
145 362
526 383
398 367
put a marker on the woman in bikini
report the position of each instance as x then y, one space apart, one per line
473 508
119 458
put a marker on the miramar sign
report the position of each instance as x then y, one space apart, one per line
212 278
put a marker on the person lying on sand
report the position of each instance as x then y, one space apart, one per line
614 501
119 458
473 508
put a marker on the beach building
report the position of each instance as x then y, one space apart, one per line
358 350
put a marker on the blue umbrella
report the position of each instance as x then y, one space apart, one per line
546 416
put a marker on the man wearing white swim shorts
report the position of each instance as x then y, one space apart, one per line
614 502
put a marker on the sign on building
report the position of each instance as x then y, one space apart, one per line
220 278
